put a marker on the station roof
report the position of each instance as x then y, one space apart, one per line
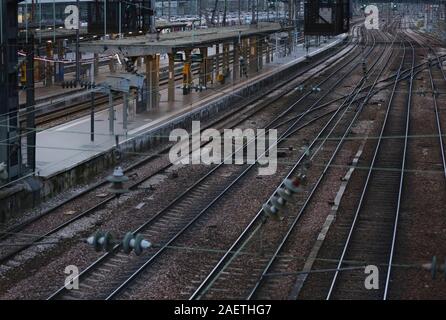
168 42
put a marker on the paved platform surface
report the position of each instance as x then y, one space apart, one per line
63 147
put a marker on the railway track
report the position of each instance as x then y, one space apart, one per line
422 218
257 284
383 226
54 220
371 236
190 205
273 281
436 89
98 188
129 281
241 271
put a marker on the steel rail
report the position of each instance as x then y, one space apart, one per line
434 97
16 229
166 245
171 204
291 228
437 115
403 167
231 253
365 189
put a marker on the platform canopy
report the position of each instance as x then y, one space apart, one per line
174 41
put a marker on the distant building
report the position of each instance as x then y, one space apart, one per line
135 14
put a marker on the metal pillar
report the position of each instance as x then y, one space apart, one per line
152 17
260 53
236 62
148 96
152 72
105 19
37 70
59 77
217 60
111 113
245 54
149 76
253 55
112 65
209 69
290 42
78 56
49 66
155 79
187 74
171 84
30 106
225 59
271 51
267 51
92 117
96 64
203 67
125 109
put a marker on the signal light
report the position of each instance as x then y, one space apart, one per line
101 241
283 195
117 179
137 243
105 241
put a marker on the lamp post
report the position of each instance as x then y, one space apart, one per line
120 20
168 11
40 22
54 21
26 21
105 19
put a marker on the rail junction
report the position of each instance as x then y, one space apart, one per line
353 121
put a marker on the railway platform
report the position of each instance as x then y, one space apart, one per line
66 146
45 94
